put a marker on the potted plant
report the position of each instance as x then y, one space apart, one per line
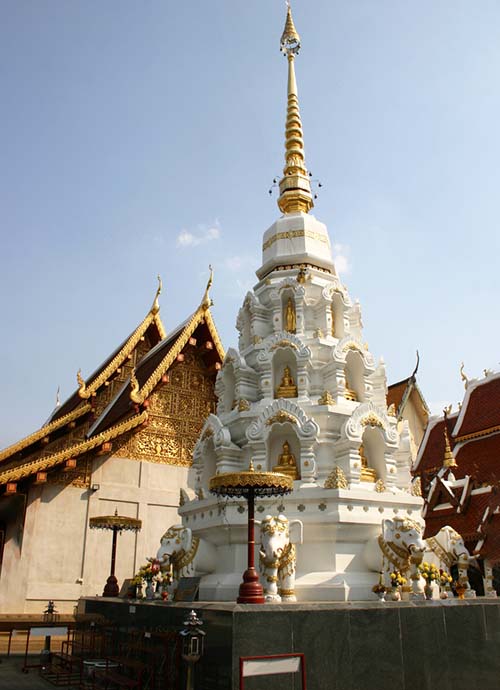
430 573
397 581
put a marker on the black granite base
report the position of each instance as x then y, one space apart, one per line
427 645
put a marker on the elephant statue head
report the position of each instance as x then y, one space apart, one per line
404 536
176 541
276 533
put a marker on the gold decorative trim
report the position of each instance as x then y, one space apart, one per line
26 469
283 343
44 431
118 522
291 234
477 434
202 313
281 417
372 420
326 399
251 479
336 479
184 558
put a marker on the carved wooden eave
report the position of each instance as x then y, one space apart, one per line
44 431
26 469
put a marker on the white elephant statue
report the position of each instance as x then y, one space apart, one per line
449 549
185 554
400 546
277 553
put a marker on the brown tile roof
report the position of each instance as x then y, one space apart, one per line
467 524
481 407
395 393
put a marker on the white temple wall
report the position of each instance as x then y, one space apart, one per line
61 558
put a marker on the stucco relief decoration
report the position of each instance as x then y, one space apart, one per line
283 340
330 290
290 284
348 343
280 411
368 414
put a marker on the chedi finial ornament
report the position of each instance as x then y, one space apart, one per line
295 188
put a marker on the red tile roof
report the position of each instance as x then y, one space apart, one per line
481 407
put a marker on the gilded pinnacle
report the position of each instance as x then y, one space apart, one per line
295 188
449 460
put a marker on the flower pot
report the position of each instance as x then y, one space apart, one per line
428 592
395 594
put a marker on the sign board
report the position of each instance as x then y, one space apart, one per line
271 665
43 632
127 588
187 589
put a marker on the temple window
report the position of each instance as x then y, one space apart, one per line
371 453
336 317
354 377
229 388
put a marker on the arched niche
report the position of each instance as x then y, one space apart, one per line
288 311
282 358
207 465
374 446
274 445
229 381
337 328
354 376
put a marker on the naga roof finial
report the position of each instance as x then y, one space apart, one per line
156 305
81 383
463 376
295 188
207 302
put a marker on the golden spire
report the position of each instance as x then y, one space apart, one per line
295 188
448 460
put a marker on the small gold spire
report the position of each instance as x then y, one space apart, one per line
156 305
251 467
295 188
449 460
206 302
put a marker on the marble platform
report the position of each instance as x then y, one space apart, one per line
450 645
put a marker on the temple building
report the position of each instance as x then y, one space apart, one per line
303 395
122 441
457 467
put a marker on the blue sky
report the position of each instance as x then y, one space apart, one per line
140 138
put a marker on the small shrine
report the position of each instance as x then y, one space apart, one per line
303 396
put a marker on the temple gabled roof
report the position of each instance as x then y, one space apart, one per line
156 363
72 425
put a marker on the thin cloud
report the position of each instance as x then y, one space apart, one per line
203 235
341 258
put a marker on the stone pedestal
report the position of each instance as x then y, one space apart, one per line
350 646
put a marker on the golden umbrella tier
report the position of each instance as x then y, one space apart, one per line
117 522
243 483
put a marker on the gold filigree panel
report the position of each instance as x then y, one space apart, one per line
177 411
